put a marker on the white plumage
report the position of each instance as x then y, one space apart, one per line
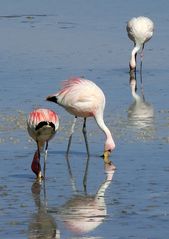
83 98
140 30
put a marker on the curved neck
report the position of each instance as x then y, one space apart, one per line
109 144
105 184
133 56
134 94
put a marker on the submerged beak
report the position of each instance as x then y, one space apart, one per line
109 166
105 157
52 98
39 176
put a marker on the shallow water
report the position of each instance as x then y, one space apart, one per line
44 43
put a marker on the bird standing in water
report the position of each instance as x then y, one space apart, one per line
83 98
42 125
140 30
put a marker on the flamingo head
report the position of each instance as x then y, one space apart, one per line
132 64
108 148
36 168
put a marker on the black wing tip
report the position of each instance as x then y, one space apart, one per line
44 123
52 99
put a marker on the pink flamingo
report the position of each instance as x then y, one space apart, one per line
140 30
83 98
42 125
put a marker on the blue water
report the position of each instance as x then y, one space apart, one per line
43 43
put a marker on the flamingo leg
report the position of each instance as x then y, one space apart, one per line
72 179
141 62
85 175
141 54
39 175
136 63
85 136
141 67
45 158
71 133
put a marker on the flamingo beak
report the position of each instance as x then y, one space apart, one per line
105 156
39 175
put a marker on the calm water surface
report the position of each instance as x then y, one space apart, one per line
44 43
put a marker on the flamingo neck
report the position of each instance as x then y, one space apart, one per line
36 167
109 143
134 94
133 56
101 191
105 184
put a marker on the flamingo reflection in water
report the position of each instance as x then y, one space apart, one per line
42 224
140 113
84 213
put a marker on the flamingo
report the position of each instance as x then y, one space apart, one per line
83 98
140 30
140 112
42 125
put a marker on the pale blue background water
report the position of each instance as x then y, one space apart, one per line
45 42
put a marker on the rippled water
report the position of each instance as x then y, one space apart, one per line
44 43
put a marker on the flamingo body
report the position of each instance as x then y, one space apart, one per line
140 30
42 125
83 98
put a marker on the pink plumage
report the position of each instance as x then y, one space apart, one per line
42 125
83 98
39 115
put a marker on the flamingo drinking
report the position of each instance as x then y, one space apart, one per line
83 98
140 30
42 125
